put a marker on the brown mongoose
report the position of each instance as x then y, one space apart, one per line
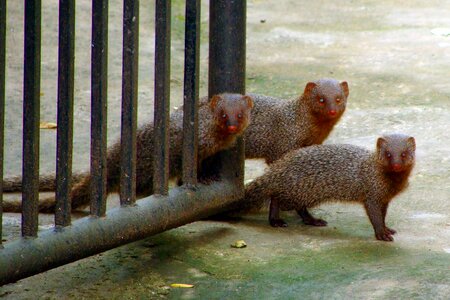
221 121
311 176
279 126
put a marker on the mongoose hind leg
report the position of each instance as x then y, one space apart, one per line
274 214
308 219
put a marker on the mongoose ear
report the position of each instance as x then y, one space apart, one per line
309 87
412 143
214 100
344 86
249 101
381 142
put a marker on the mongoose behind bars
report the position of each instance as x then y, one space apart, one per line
221 121
279 126
311 176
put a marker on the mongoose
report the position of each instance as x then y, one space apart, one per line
311 176
221 121
279 126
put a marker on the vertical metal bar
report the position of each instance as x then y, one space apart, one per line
65 111
2 100
227 68
191 74
162 97
227 46
129 101
99 84
31 87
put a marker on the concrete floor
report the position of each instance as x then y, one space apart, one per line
397 70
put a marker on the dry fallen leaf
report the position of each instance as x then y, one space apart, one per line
239 244
182 285
47 125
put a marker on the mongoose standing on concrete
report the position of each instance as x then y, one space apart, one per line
221 121
311 176
279 126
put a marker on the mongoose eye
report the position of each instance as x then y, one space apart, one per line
321 101
224 116
239 115
404 154
338 100
388 154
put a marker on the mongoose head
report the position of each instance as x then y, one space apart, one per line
231 112
396 152
326 98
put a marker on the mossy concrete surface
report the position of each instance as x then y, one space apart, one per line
397 70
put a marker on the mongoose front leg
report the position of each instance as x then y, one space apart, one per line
374 211
384 211
308 219
274 214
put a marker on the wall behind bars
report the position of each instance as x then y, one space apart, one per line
82 97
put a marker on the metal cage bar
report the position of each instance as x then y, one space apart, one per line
227 33
123 225
31 102
191 75
2 100
88 236
129 101
162 97
64 138
99 61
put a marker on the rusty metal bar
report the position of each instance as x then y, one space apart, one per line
162 97
90 236
191 75
129 101
65 111
99 83
2 101
31 101
227 70
227 46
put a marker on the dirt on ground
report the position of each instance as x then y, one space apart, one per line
395 56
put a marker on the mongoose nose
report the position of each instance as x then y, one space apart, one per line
332 113
396 167
232 129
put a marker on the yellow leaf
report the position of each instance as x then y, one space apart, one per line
182 285
47 125
239 244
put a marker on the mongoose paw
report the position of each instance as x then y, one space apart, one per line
208 180
384 236
315 222
278 223
389 230
191 187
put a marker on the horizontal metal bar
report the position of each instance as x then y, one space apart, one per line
89 236
129 101
162 97
191 75
65 111
31 111
99 103
2 100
